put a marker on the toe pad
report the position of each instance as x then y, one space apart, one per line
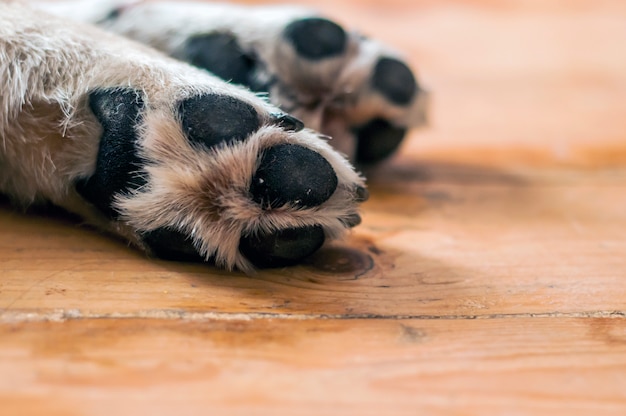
283 248
316 38
292 174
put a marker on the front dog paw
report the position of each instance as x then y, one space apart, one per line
215 177
352 88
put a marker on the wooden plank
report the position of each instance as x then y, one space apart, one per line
488 276
362 367
440 241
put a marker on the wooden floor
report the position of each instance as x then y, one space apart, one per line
488 276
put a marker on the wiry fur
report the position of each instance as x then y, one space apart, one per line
49 139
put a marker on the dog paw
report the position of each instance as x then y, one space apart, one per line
168 156
216 178
352 88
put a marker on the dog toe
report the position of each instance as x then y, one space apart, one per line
285 247
292 174
316 38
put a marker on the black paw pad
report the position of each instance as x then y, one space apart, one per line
283 248
220 54
118 163
213 119
377 140
394 80
292 174
316 38
169 244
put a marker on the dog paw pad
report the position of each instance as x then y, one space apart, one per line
292 174
168 244
213 119
221 54
282 248
394 80
316 38
377 140
118 111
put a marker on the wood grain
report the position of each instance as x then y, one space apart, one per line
488 276
365 367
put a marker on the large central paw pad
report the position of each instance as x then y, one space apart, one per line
118 163
234 183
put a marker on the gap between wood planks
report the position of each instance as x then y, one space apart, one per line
10 317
